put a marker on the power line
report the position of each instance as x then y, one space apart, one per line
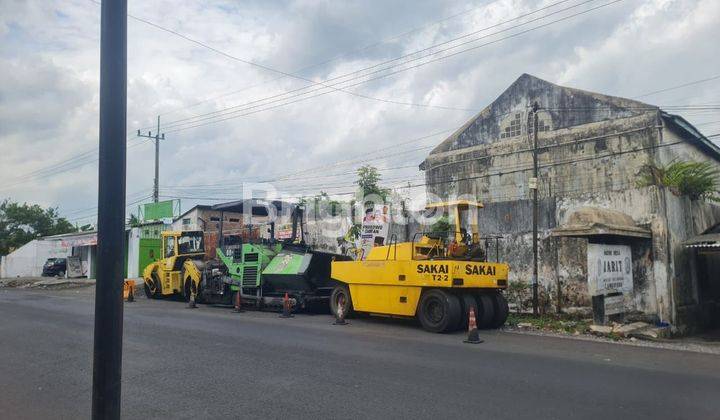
84 210
58 168
295 74
294 93
336 57
94 214
270 69
524 168
696 82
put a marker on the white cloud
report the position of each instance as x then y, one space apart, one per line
49 60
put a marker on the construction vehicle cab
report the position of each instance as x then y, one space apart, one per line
437 277
460 240
183 253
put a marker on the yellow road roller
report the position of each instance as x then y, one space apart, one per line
436 278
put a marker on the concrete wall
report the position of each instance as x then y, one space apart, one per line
28 260
133 253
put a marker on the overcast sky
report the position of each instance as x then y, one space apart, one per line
49 78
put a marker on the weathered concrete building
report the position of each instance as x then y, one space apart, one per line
591 150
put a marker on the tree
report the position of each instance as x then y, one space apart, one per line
441 226
322 202
697 180
368 179
21 223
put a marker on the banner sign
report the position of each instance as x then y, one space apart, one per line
375 228
74 267
609 269
158 211
80 240
284 231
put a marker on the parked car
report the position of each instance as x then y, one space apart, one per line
55 267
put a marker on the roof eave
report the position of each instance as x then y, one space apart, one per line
693 133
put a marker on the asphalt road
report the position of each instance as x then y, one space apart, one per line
212 363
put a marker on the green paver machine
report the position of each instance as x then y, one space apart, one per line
265 270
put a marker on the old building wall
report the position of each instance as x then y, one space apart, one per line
685 219
592 150
642 205
599 156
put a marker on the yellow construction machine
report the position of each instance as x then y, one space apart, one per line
180 270
436 278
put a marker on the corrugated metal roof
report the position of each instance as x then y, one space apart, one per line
708 240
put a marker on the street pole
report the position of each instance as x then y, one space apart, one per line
107 346
157 137
156 185
535 108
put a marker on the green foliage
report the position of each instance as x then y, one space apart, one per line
133 221
323 204
355 230
693 179
21 223
441 226
368 179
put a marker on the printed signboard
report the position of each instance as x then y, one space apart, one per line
609 269
614 304
158 211
74 267
375 228
86 239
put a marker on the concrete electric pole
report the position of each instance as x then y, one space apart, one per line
107 340
534 187
157 137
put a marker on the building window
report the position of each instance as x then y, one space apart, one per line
542 126
214 219
513 129
186 222
234 220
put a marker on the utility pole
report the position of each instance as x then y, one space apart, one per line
157 137
107 340
534 187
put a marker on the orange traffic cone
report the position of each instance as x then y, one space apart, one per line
473 334
340 313
238 303
286 307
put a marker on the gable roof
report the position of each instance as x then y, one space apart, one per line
197 206
567 106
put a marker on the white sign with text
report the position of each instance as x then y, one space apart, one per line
609 269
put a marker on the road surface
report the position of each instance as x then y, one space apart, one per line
212 363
